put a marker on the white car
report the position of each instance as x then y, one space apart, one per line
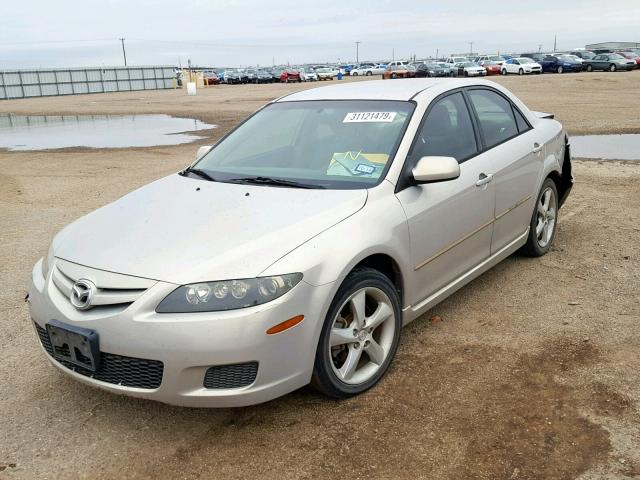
368 69
453 60
521 66
295 249
469 69
325 73
308 75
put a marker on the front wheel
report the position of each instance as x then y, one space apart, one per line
360 335
612 68
589 68
504 71
368 74
542 228
393 75
560 69
521 72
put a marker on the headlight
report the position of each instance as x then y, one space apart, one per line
227 294
47 261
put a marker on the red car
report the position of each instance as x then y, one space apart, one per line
491 67
211 78
290 76
631 56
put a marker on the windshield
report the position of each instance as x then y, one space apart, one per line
566 58
615 56
327 144
525 60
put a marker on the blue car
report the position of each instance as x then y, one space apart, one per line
560 64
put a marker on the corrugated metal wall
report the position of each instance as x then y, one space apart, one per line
70 81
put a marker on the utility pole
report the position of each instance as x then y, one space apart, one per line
470 47
555 37
437 52
358 52
393 54
124 54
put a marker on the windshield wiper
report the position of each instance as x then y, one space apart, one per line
198 172
279 182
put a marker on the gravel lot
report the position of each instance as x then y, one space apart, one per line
529 372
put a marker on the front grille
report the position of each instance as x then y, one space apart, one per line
231 376
115 369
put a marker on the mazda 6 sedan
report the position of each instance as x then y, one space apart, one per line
295 249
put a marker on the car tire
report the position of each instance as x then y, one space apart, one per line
521 72
560 69
355 74
544 221
466 74
612 67
368 74
504 71
393 75
348 367
589 68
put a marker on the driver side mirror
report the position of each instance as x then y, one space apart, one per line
202 151
435 169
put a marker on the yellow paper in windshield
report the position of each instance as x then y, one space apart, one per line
357 164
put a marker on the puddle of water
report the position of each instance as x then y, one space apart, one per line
606 147
39 132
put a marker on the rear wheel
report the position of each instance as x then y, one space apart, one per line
542 228
393 75
368 74
360 335
560 69
504 71
589 68
612 68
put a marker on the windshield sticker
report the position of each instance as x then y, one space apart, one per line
365 169
361 117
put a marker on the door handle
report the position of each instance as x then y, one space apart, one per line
483 179
536 147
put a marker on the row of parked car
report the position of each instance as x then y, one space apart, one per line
524 64
269 75
454 66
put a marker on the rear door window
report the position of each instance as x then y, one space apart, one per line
495 115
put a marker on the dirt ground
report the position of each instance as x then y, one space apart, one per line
530 372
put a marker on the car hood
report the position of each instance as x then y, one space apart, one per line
183 230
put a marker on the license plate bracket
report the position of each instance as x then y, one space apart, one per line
74 344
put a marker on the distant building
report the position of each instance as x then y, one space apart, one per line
612 46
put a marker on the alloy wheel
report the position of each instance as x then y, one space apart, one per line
362 335
546 217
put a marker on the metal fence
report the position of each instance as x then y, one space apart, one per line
71 81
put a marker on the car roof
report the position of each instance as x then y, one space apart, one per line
402 90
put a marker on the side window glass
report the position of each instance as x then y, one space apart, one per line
495 115
447 131
523 126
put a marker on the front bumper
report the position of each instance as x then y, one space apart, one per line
188 345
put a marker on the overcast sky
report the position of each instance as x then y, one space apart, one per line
64 33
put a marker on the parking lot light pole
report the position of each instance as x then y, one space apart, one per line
124 54
357 52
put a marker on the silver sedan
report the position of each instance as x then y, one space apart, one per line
295 249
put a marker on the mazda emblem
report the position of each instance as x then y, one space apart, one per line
82 294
